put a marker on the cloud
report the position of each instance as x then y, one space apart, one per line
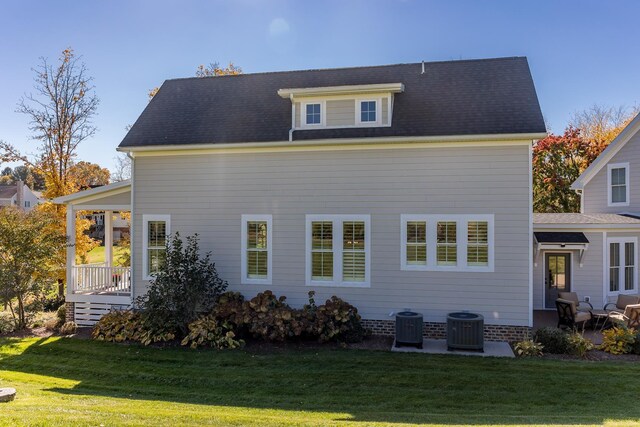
278 27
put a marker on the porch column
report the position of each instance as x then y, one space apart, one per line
71 247
108 238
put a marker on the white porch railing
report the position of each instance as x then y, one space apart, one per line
97 279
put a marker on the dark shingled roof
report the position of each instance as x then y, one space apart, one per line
8 191
469 97
561 237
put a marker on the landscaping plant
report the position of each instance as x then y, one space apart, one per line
68 328
579 345
618 340
528 348
208 331
554 340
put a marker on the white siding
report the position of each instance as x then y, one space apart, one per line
207 194
596 198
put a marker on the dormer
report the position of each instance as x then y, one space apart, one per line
334 107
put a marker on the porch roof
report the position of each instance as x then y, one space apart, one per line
580 220
561 237
115 196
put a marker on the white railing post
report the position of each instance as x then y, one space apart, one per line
71 248
108 238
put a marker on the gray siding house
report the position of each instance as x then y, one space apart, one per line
595 252
393 187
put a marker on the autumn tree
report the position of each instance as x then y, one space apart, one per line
214 69
88 175
30 248
61 112
558 160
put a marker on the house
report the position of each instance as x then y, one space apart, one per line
19 195
119 226
594 252
393 187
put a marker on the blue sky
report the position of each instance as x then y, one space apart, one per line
580 52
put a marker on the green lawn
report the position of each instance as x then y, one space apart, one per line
66 380
96 255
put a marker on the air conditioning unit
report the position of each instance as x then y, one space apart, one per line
409 329
465 331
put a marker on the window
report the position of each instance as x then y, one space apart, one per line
447 242
313 114
338 250
256 249
618 191
27 204
622 265
368 111
156 230
478 243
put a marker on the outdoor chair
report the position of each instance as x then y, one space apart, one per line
573 297
622 302
569 316
629 318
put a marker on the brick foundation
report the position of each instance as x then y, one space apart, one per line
435 330
70 308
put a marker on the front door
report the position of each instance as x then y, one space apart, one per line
557 277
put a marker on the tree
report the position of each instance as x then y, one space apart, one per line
558 160
214 70
88 175
122 170
29 247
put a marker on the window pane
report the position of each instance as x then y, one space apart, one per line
416 232
155 260
157 233
447 254
614 254
368 111
619 194
478 256
322 235
629 262
446 232
256 235
313 114
353 266
614 267
618 176
417 254
478 232
322 266
353 235
257 262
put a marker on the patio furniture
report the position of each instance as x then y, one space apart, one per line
629 318
569 316
622 302
573 296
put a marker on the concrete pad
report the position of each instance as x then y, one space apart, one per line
491 349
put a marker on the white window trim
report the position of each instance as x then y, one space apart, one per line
359 121
244 279
145 240
337 221
303 115
621 241
626 180
462 242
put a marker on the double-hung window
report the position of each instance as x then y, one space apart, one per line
155 230
256 249
622 266
447 242
338 250
618 184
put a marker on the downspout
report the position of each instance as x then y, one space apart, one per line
131 230
293 117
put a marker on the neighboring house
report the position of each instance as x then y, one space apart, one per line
393 187
120 225
19 195
595 252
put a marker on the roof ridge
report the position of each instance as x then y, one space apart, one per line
501 58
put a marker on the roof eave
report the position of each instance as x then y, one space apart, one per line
80 195
341 90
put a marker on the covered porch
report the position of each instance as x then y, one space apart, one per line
104 284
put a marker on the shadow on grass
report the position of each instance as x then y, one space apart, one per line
369 386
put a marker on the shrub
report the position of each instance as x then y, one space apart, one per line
528 348
186 286
68 328
618 340
271 319
335 320
43 318
61 315
553 340
579 345
208 331
635 349
7 323
118 326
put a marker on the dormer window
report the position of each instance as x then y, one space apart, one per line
313 114
368 111
618 184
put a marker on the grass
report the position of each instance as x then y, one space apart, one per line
96 255
62 381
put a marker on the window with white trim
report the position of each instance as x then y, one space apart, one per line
368 111
618 184
338 250
256 249
313 114
27 204
156 230
622 266
447 242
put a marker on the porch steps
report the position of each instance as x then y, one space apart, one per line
88 313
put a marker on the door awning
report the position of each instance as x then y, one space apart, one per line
568 241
